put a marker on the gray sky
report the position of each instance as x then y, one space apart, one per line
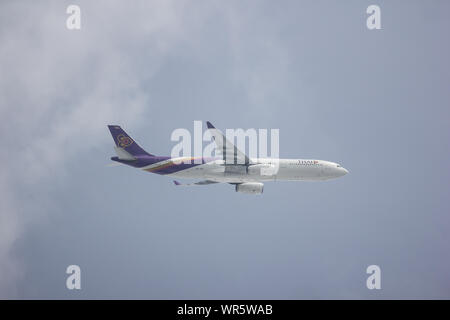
375 101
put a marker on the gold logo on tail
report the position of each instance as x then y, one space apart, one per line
124 141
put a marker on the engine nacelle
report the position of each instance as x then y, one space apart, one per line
250 187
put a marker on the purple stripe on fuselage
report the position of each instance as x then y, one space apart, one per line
164 168
141 161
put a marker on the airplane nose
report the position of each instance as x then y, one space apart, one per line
345 171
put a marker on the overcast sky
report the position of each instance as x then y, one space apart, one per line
376 101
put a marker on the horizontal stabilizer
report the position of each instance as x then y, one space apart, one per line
200 183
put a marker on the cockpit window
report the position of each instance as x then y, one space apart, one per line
338 165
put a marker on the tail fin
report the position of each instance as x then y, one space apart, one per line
124 142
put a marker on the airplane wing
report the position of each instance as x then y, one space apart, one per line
230 153
200 183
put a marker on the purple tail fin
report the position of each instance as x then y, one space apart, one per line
124 141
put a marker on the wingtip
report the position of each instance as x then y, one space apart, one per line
176 182
209 124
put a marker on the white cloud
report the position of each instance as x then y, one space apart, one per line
59 89
10 229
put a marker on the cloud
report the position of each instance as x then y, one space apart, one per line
10 229
58 90
267 71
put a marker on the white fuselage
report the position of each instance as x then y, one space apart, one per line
264 169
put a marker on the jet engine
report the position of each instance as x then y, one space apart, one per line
250 187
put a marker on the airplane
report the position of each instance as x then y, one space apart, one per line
246 174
